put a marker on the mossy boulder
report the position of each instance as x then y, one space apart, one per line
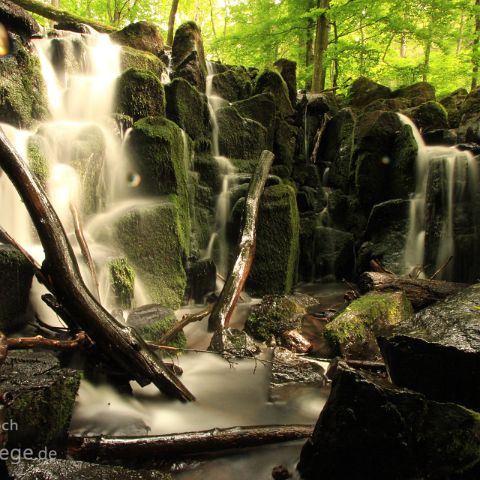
232 85
371 429
133 58
44 396
23 96
353 331
285 143
139 94
153 321
417 93
122 280
37 159
469 128
17 20
202 279
188 108
453 105
16 276
140 35
288 71
364 91
239 137
429 116
262 109
270 81
384 159
156 148
275 264
188 56
276 315
155 240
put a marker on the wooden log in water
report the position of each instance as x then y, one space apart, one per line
58 15
421 292
138 449
122 344
236 279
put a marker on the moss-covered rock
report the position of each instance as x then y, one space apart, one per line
285 143
37 160
232 85
274 316
239 137
156 148
417 93
470 117
371 429
140 35
275 265
18 20
188 108
155 239
44 396
354 330
23 99
139 94
153 321
16 275
364 91
262 109
453 105
188 56
132 58
270 81
429 116
288 71
122 280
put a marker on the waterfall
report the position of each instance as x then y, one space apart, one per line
442 225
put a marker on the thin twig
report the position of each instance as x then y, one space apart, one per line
39 341
445 265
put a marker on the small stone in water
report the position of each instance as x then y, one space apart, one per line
280 473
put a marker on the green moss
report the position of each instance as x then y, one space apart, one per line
122 277
270 81
132 58
37 161
274 316
429 116
275 264
139 94
233 84
23 98
156 330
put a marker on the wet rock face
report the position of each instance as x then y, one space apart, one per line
16 276
44 395
17 20
364 91
371 429
202 277
438 352
72 470
141 36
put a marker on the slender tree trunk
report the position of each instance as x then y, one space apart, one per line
321 45
310 26
476 41
426 62
171 22
403 45
460 34
336 61
362 48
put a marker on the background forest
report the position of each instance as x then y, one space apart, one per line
395 42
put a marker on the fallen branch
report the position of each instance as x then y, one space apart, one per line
3 348
420 292
52 13
233 287
138 449
23 343
122 344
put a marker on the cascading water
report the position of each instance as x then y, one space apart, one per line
443 227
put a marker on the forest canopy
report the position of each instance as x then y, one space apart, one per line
395 42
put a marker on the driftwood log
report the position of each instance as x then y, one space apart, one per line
58 15
122 344
421 292
138 449
236 279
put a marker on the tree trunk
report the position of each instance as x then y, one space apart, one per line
336 62
52 13
122 344
426 62
421 292
233 287
460 35
475 45
321 45
136 449
171 22
403 45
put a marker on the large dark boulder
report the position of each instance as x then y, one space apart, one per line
437 353
270 81
364 91
139 59
417 93
428 116
188 56
384 159
144 36
453 105
288 71
232 85
139 93
17 20
16 275
371 429
285 143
